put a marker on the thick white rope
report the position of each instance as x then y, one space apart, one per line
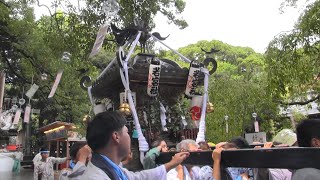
143 144
202 126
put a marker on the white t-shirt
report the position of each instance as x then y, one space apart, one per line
37 158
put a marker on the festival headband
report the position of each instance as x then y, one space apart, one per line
44 151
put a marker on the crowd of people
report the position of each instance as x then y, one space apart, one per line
108 150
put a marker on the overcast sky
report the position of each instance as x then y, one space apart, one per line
251 23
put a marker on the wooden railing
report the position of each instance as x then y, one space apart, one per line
189 133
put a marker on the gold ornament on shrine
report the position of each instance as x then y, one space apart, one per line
210 107
125 109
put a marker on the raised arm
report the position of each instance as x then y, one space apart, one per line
216 156
58 160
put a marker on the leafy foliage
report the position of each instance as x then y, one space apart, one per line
292 58
237 89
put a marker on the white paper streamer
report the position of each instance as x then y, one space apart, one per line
17 117
202 126
99 40
32 91
163 117
256 126
145 118
56 83
27 112
184 122
227 127
7 120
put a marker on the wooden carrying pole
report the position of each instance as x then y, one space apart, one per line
2 84
283 158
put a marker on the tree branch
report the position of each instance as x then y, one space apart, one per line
42 5
4 3
300 102
12 69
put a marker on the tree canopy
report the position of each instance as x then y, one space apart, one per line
292 60
245 81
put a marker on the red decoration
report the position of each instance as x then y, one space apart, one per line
195 113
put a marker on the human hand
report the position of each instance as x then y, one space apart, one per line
220 144
176 160
84 154
127 159
268 145
162 147
216 154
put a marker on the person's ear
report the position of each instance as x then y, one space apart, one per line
116 136
315 142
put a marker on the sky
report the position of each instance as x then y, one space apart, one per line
247 23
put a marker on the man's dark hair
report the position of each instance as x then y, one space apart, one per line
204 146
43 148
75 148
229 146
156 143
240 142
100 129
306 130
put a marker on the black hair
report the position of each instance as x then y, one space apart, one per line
156 143
276 143
204 146
240 142
75 148
44 148
100 129
306 130
229 146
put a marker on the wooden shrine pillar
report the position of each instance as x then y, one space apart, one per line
58 153
67 153
2 84
49 146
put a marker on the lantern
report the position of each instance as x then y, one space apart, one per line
125 109
210 107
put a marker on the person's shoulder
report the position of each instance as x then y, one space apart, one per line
94 173
173 171
65 172
154 150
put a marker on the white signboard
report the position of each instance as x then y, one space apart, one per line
32 91
153 79
27 112
17 117
192 82
123 98
260 137
35 111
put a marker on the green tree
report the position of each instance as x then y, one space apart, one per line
237 89
143 10
292 61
